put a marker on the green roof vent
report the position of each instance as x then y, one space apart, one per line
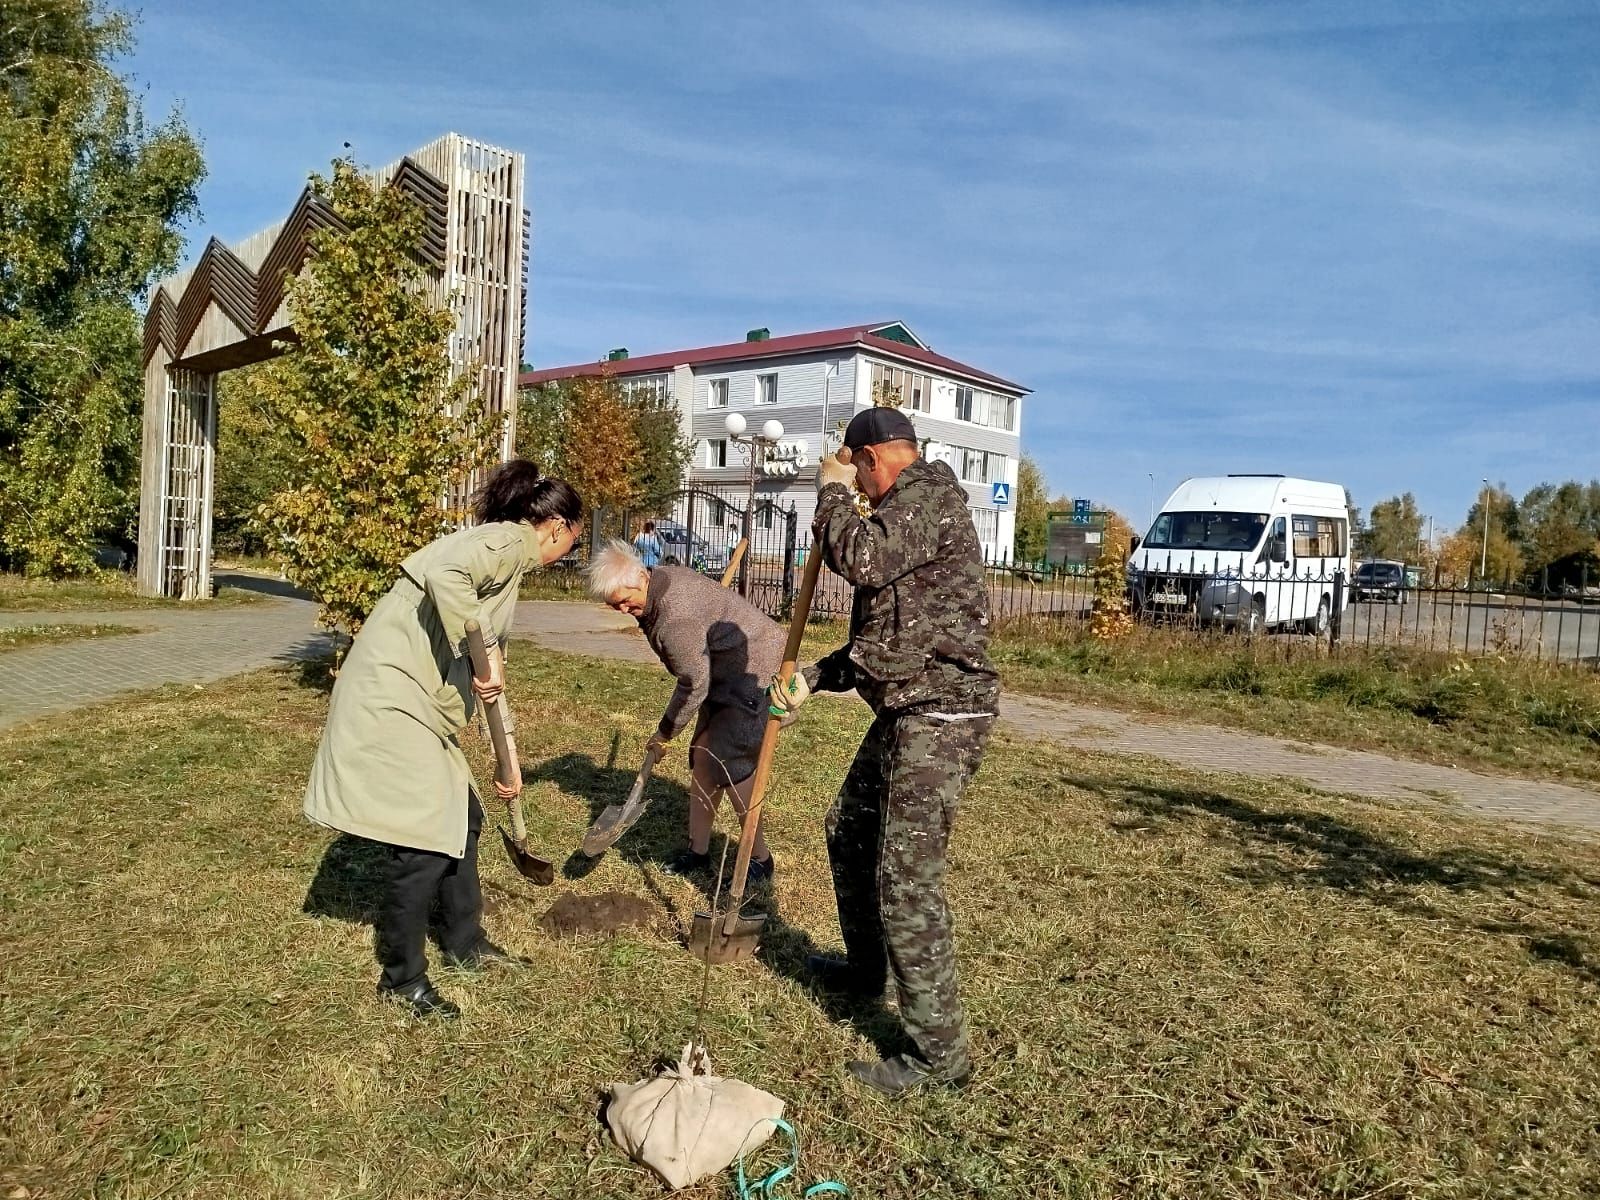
617 355
758 335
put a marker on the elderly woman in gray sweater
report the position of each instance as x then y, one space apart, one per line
723 651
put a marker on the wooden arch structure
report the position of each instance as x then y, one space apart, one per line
228 311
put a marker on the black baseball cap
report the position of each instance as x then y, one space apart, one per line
878 425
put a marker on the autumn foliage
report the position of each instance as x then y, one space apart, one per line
1108 613
619 451
378 434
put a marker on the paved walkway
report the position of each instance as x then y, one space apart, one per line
197 645
588 629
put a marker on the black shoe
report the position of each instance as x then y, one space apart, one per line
421 999
902 1073
689 864
837 975
759 871
485 954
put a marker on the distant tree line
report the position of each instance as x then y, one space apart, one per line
1551 534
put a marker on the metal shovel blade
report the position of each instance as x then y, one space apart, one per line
716 940
617 819
532 868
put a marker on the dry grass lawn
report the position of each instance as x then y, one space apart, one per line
1178 986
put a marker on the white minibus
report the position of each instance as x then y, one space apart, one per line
1253 551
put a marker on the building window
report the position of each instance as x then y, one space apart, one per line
764 517
767 389
717 451
717 393
651 389
910 389
986 408
987 522
980 466
974 466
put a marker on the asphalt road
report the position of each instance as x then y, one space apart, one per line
1560 631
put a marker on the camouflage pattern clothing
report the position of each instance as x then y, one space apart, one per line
919 624
918 654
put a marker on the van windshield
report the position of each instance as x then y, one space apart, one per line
1207 531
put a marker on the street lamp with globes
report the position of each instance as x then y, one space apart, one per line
755 448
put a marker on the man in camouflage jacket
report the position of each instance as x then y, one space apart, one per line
918 654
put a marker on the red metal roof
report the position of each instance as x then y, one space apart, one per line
852 336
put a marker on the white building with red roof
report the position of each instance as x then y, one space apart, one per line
815 382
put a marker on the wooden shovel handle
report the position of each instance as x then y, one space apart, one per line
733 561
506 766
769 738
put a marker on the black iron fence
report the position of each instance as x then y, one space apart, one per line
1536 620
1375 607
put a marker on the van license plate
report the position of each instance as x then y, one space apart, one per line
1173 598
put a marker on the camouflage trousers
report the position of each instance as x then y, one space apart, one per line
887 836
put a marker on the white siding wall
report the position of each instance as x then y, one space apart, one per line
802 396
683 385
940 425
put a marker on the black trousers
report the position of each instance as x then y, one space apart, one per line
417 880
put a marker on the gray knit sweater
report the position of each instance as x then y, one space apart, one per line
721 647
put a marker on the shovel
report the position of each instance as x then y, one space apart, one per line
507 770
617 819
717 938
733 561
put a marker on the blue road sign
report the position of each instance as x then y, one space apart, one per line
1002 495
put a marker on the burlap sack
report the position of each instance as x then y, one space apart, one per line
687 1123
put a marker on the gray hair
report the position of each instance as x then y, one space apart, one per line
615 565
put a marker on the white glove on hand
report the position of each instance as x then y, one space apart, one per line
784 696
835 468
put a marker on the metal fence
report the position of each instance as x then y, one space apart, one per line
1524 619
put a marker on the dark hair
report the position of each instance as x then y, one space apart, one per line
513 491
649 526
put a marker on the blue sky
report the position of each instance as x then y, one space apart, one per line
1355 241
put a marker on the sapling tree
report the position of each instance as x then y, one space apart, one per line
379 435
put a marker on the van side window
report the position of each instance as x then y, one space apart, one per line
1317 537
1278 537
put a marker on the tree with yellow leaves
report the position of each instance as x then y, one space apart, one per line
377 433
618 451
1118 538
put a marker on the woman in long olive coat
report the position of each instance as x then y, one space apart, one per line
390 767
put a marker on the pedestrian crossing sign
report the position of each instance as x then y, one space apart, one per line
1002 495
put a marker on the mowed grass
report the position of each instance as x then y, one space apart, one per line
1501 714
1178 986
18 637
108 590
